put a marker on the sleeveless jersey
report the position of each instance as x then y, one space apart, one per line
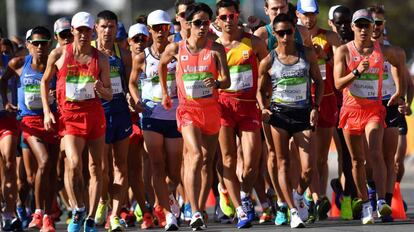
243 67
272 40
388 85
325 68
290 83
75 84
152 91
365 90
28 92
192 69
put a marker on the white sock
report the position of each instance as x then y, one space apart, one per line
39 211
239 211
81 209
243 194
281 204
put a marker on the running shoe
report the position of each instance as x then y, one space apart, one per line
312 212
300 206
127 217
219 216
187 212
346 208
69 217
197 221
243 221
115 224
171 221
356 205
174 207
248 208
100 214
266 215
367 217
147 221
138 213
37 221
281 215
323 208
76 222
372 195
383 209
295 221
23 216
272 199
159 214
90 225
47 224
13 224
226 204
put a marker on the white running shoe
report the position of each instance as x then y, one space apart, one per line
174 207
367 217
295 221
197 221
171 222
300 205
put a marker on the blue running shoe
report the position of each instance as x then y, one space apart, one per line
248 208
281 216
22 215
187 212
90 225
76 222
243 221
372 196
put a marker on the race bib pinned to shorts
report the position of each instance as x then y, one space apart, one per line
195 87
80 88
241 77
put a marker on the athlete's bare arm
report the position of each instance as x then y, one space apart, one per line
315 74
127 62
223 69
138 63
170 52
103 86
13 70
306 38
259 47
263 86
341 77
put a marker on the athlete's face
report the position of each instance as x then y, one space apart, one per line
227 19
307 19
342 23
160 32
180 15
284 33
82 35
199 25
106 30
379 25
138 43
276 7
362 29
64 37
39 45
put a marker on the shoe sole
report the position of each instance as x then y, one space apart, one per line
197 223
172 228
370 222
301 225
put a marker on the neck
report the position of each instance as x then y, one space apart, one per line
235 34
82 49
197 43
361 44
159 47
39 60
287 49
107 45
184 33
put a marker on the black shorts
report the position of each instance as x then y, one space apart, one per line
393 116
290 119
168 128
403 127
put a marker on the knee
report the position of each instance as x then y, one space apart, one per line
307 173
229 162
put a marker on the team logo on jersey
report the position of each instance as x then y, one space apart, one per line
184 57
245 54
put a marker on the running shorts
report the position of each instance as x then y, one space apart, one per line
34 126
239 114
328 112
289 119
168 128
393 116
118 126
9 126
403 127
88 125
206 118
354 120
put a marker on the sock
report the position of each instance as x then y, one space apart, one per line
270 192
243 194
81 209
281 204
39 211
239 211
388 198
371 184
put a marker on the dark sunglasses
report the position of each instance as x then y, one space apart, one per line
161 27
140 39
37 43
363 25
181 14
199 23
65 34
379 22
226 17
282 33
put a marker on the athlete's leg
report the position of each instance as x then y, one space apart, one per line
251 145
400 156
303 140
209 149
323 143
174 152
96 149
389 146
135 177
8 148
119 186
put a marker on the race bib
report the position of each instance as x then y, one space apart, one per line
80 88
322 68
116 83
195 87
157 90
241 77
291 91
365 86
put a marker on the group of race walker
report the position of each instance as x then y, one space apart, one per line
120 127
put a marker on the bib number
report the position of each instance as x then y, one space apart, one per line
195 87
116 84
241 78
365 86
80 88
291 91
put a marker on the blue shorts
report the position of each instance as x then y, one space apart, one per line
168 128
118 126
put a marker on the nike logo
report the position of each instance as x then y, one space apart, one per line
206 57
29 75
128 129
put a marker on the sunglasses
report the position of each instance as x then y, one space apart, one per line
37 43
282 33
199 23
379 22
161 27
65 34
181 14
363 25
226 17
140 39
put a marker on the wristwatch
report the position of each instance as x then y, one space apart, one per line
356 73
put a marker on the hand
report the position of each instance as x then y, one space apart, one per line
320 53
408 111
266 113
313 119
363 65
131 103
138 107
394 100
209 82
10 108
99 88
166 101
48 121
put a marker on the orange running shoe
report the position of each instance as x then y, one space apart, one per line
159 214
47 224
147 221
37 221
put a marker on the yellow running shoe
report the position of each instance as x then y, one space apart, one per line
116 225
225 202
100 215
346 208
138 214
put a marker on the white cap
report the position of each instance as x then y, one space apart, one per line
307 6
28 34
61 24
83 19
158 17
137 29
331 11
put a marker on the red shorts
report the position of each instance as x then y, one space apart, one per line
136 137
328 112
243 115
9 126
354 120
207 118
88 125
34 126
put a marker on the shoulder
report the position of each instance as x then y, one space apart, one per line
57 52
17 62
261 32
139 58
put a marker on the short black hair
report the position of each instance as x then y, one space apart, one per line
106 15
267 4
141 19
376 9
41 30
282 18
343 10
228 3
196 8
182 2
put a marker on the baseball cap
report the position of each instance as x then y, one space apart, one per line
136 29
158 17
332 11
61 24
121 32
362 14
83 19
28 34
307 6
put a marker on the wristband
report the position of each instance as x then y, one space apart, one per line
356 73
216 84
